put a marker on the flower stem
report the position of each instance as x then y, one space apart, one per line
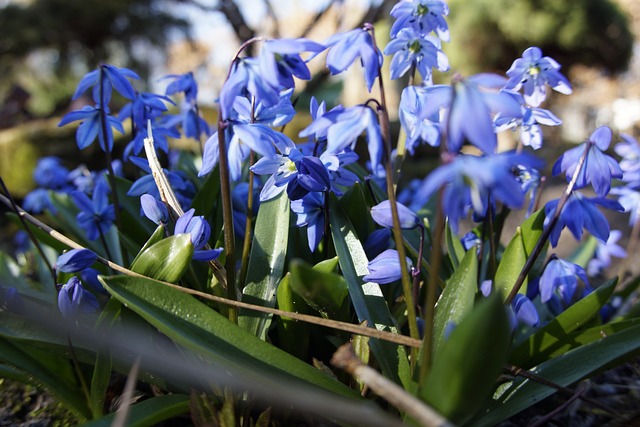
246 247
383 117
547 231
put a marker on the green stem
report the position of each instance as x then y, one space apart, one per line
246 247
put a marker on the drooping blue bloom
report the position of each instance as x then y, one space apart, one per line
469 182
385 268
275 115
74 300
38 201
91 126
381 214
534 72
604 252
343 126
200 231
420 123
423 16
89 277
159 134
112 77
423 52
75 260
598 168
336 164
280 61
96 214
309 212
525 311
529 122
192 125
184 83
50 173
154 209
580 213
470 240
530 180
377 241
561 276
180 184
630 201
629 150
144 107
345 48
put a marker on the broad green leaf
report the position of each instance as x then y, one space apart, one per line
454 246
456 300
547 340
149 412
47 371
368 300
266 263
584 253
166 260
324 292
355 205
195 326
565 370
516 253
467 366
327 265
293 336
157 236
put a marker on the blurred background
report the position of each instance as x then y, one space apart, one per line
46 46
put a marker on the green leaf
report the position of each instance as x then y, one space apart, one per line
157 236
166 260
547 340
293 336
516 253
355 205
149 412
565 370
368 300
456 300
204 331
324 292
266 263
465 369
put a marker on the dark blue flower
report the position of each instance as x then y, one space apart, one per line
183 83
182 187
144 107
385 268
49 173
423 52
345 48
381 214
280 61
112 77
561 276
579 213
75 260
534 72
96 214
91 126
377 242
160 135
38 201
74 300
598 168
525 311
279 114
423 16
309 213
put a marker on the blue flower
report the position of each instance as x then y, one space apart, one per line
49 173
561 276
377 242
422 16
144 107
96 214
182 187
75 260
160 135
200 232
280 61
629 150
525 311
630 201
530 131
580 212
309 212
604 252
381 214
74 300
534 72
598 168
418 121
470 181
423 52
154 209
91 126
183 83
530 180
385 268
108 77
343 126
345 48
275 115
38 201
